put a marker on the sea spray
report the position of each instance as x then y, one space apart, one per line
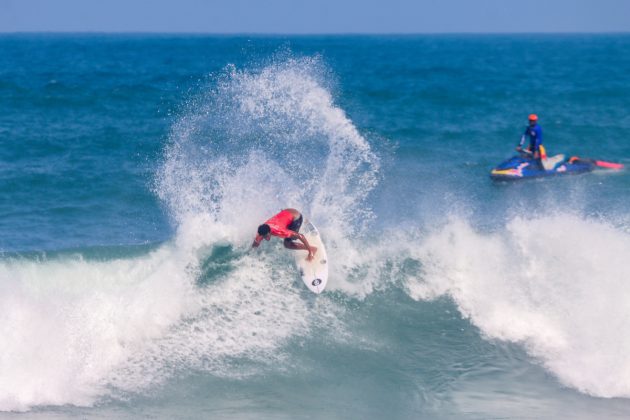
267 138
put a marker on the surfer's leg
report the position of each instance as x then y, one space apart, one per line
292 244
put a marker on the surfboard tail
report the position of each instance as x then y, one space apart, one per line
598 163
608 165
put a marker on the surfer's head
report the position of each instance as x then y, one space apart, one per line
264 230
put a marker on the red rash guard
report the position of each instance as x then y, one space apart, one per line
279 224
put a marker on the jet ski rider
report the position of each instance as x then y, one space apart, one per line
536 150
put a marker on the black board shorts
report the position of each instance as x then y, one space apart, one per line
295 227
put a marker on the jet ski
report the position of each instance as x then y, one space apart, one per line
524 166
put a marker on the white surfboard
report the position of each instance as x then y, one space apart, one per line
315 272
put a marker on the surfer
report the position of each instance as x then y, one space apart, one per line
285 224
535 148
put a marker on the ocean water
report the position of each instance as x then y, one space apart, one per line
134 170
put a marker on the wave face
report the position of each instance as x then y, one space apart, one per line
556 285
134 178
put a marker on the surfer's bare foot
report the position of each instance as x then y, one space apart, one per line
311 254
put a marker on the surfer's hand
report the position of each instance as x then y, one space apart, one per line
519 149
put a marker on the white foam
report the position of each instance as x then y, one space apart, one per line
73 331
556 284
66 323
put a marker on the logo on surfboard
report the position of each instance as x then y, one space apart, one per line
316 282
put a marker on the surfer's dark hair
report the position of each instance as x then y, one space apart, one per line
264 229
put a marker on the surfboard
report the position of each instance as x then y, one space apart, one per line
315 272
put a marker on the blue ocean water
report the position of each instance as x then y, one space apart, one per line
134 170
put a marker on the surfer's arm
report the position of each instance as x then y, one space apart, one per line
257 240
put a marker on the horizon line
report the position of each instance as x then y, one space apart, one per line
139 32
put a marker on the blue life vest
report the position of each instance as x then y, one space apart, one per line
535 137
